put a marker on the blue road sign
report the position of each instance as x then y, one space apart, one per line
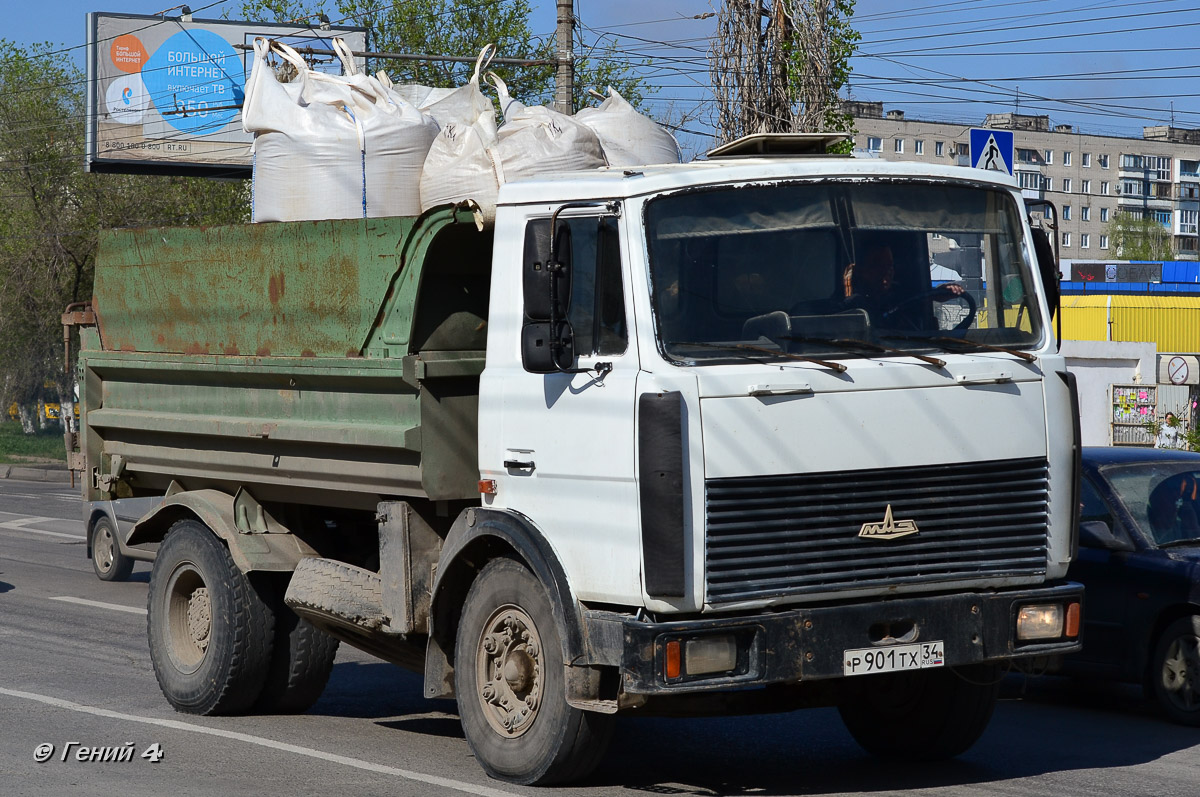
992 150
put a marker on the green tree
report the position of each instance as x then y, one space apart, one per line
1136 238
461 28
52 212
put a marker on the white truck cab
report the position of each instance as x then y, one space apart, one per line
757 469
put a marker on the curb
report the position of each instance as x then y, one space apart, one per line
51 473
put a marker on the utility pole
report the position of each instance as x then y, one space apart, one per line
564 78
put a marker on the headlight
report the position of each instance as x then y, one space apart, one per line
1042 621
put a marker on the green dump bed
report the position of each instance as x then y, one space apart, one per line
331 363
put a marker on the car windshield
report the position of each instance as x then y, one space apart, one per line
1162 497
834 269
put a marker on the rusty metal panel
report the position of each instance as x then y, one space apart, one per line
1170 322
298 289
235 357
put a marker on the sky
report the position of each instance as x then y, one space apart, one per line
1107 67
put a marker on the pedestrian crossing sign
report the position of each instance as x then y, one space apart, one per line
992 150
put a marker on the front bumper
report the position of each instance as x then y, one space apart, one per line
807 643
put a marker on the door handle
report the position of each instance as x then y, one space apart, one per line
513 464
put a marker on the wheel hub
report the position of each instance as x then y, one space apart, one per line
1181 672
509 672
199 617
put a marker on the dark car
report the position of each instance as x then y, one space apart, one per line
1139 558
108 525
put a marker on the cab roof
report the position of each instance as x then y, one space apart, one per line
619 183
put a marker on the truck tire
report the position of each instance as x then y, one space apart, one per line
1175 671
210 631
301 658
107 560
928 715
509 681
338 590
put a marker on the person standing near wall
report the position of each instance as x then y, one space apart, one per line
1170 434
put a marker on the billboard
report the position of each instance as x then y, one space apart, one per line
165 93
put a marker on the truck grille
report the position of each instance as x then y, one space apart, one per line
792 535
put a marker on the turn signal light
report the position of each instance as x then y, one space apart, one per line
487 486
1073 612
674 662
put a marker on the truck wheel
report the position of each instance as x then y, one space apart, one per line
107 560
509 681
925 716
301 658
210 631
1176 670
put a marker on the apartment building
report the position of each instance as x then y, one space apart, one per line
1088 177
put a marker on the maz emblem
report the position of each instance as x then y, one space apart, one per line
889 529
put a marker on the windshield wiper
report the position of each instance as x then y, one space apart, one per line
1177 543
763 350
964 344
866 345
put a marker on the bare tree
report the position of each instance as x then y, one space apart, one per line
777 66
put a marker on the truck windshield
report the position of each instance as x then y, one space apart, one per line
822 268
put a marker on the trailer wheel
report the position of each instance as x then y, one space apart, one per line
301 658
107 560
210 631
509 680
929 715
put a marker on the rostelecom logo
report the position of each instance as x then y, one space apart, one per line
889 529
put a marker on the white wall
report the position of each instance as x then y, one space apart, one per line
1099 364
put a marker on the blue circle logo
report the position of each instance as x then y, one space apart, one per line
193 79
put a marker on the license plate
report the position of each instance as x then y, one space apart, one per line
863 661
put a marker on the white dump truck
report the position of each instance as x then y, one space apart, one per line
768 430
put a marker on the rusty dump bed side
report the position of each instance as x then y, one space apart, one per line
332 363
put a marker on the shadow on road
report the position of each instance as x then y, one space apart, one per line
1041 725
5 586
1056 727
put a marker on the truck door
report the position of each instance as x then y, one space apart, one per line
566 442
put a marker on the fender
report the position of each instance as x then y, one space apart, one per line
493 532
270 546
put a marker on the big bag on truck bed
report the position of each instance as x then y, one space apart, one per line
330 147
628 137
472 158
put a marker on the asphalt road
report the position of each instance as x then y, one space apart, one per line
75 673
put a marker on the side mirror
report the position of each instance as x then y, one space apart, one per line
542 279
547 348
1097 534
1048 268
547 340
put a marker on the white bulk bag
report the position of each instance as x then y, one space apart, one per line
462 162
328 147
539 140
628 137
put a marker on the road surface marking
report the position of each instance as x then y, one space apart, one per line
39 496
115 607
19 525
357 763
